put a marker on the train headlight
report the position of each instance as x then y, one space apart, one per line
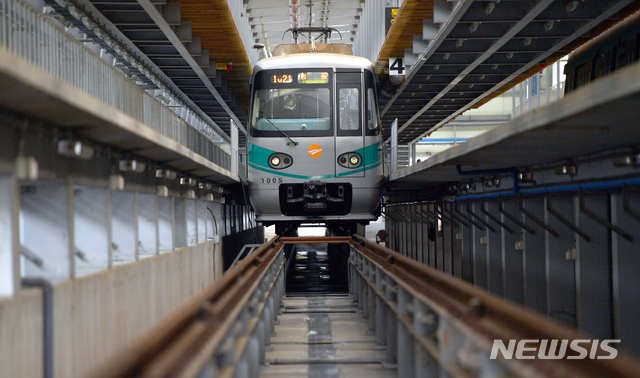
350 160
280 161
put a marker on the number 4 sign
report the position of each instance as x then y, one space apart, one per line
396 66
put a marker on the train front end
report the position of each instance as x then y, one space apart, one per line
314 148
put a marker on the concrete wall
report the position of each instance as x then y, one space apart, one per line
96 315
21 335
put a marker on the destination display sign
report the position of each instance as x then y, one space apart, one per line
303 78
313 77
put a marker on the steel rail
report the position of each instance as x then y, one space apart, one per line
423 299
221 329
428 321
316 240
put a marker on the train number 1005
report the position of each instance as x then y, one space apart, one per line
271 180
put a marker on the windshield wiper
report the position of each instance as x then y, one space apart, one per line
291 142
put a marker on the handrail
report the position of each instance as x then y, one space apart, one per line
481 316
247 247
216 322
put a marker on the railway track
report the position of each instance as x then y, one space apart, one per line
430 323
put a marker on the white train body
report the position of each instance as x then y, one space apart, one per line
314 147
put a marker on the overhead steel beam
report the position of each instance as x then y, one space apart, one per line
603 16
456 14
153 12
530 16
89 6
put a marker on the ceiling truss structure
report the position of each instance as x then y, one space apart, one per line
485 48
156 29
469 51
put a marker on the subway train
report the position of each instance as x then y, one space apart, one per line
617 47
314 144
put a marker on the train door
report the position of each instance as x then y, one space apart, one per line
350 141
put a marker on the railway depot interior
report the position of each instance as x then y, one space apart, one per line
509 206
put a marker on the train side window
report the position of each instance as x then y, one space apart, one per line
372 111
349 109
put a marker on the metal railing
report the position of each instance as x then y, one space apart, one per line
435 325
530 94
26 32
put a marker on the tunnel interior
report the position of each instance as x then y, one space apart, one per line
317 269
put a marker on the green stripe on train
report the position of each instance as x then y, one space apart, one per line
280 173
260 156
257 155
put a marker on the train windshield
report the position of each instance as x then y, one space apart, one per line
292 107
